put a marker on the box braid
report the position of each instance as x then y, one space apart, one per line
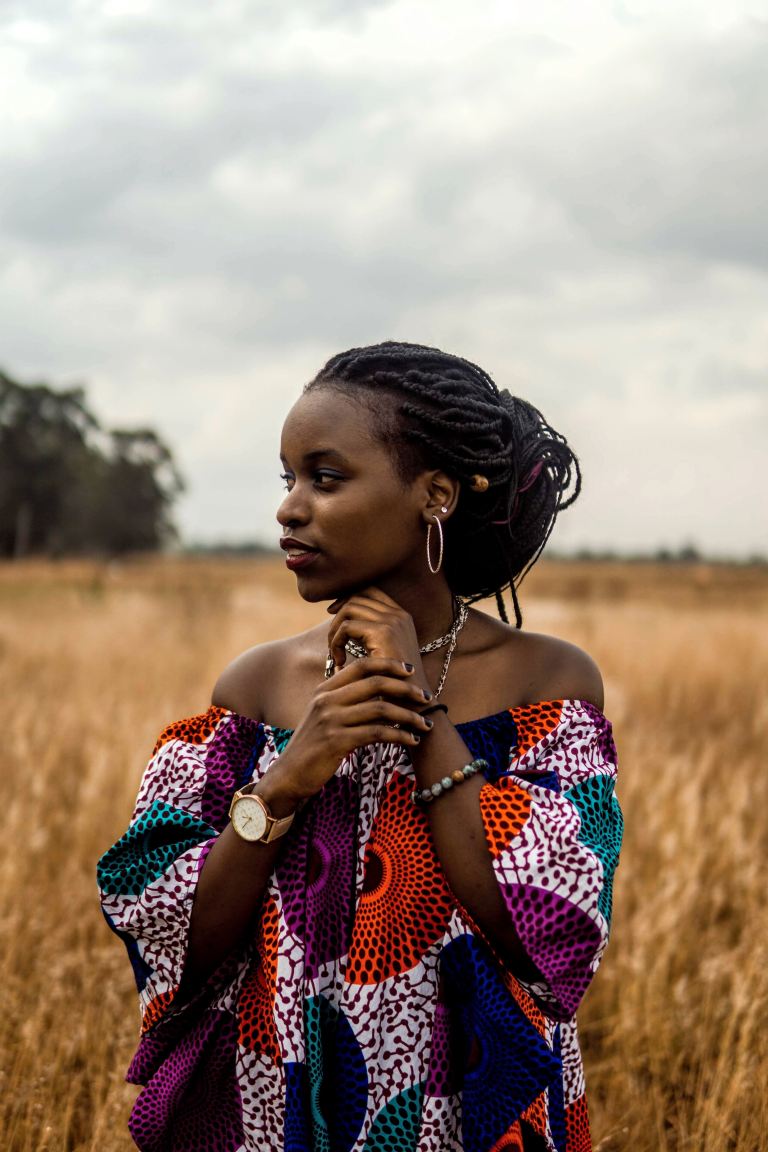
449 414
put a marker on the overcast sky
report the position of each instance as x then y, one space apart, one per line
199 203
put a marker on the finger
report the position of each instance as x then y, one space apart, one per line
357 624
374 593
376 605
360 597
384 734
388 687
337 639
369 666
359 611
379 711
365 610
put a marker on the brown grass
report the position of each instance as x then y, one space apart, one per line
94 660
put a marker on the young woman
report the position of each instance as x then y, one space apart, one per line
365 891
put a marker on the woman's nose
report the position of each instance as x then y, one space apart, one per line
292 509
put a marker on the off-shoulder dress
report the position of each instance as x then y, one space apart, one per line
367 1012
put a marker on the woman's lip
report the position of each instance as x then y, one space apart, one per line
300 561
291 544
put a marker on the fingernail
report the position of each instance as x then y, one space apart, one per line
416 739
426 693
408 667
428 722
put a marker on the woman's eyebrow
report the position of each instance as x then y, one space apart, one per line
317 453
328 452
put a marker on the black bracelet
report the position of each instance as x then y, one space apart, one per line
434 708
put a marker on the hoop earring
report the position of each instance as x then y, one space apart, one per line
439 564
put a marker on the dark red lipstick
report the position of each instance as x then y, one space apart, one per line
300 555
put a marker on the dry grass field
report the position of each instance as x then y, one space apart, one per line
95 659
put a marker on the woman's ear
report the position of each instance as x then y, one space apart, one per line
442 495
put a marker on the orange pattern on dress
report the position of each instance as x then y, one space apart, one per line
577 1126
535 721
506 806
511 1141
256 1026
156 1009
192 730
405 905
536 1115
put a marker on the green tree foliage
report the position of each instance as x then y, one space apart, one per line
67 486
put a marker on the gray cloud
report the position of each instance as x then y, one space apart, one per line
198 206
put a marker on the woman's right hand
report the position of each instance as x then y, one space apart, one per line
359 705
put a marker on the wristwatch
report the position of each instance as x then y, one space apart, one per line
253 821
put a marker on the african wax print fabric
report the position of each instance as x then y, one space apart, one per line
367 1012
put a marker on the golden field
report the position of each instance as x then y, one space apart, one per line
96 659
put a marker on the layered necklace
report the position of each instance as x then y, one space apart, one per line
451 637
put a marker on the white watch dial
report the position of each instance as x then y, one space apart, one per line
249 818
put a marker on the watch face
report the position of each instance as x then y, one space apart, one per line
249 818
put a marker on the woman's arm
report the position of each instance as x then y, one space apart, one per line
456 822
459 838
456 818
345 713
232 882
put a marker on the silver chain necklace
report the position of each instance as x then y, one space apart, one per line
451 638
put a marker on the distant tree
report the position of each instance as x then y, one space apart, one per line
140 485
67 486
688 554
684 554
42 441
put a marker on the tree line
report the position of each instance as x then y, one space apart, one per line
70 487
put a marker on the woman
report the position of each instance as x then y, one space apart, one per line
365 891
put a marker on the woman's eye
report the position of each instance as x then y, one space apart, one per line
323 479
329 477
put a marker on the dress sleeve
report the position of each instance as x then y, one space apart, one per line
147 880
554 826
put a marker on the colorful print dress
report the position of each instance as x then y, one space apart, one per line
367 1013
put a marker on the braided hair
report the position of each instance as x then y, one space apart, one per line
435 410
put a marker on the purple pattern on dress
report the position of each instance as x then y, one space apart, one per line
193 1100
440 1082
315 877
560 939
228 764
603 734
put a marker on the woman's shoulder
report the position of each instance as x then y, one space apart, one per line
537 666
566 671
264 680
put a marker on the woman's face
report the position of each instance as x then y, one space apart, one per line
346 502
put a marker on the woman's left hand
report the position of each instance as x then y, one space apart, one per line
377 622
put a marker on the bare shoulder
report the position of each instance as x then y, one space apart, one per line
537 666
265 681
567 671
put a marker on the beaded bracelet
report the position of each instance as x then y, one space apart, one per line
458 776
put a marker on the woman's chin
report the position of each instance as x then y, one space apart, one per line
312 596
315 591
